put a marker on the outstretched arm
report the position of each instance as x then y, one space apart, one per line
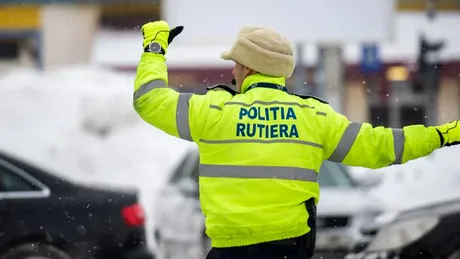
361 144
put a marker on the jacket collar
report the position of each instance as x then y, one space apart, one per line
259 78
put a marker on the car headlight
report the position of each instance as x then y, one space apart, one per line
386 218
368 216
400 233
372 214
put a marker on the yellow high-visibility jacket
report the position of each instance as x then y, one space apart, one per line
260 150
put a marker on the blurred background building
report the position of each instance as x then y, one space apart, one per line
412 79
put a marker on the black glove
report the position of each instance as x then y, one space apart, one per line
449 133
174 32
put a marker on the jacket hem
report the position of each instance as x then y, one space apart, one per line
221 242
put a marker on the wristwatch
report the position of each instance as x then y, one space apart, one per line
154 47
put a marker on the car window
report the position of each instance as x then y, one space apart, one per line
12 182
335 175
187 168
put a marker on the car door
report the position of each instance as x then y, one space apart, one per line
18 194
191 218
189 188
177 205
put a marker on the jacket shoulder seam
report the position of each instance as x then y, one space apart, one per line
305 97
222 87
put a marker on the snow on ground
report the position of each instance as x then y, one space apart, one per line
80 123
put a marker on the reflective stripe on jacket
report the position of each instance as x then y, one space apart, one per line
260 151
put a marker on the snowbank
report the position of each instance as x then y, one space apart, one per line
79 122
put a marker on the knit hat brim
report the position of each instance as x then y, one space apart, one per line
226 55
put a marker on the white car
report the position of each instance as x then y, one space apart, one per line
343 208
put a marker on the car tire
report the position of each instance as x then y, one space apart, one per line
30 250
455 255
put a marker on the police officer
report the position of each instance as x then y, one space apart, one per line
261 148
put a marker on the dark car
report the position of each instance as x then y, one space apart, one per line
43 215
426 232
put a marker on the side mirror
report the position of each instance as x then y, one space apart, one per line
169 190
370 230
188 187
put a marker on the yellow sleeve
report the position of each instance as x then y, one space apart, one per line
361 144
178 114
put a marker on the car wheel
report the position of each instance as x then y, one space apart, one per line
34 251
455 255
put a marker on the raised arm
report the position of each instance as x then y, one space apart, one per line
178 114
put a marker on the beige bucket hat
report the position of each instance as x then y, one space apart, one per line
263 50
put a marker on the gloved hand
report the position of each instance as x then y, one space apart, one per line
160 32
449 133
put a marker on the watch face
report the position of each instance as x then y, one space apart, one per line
155 47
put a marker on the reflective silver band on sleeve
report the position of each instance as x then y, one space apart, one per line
346 142
182 116
398 143
215 107
145 88
259 172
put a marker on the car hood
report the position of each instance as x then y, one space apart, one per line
438 208
336 201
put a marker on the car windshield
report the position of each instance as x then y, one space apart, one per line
334 175
187 168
